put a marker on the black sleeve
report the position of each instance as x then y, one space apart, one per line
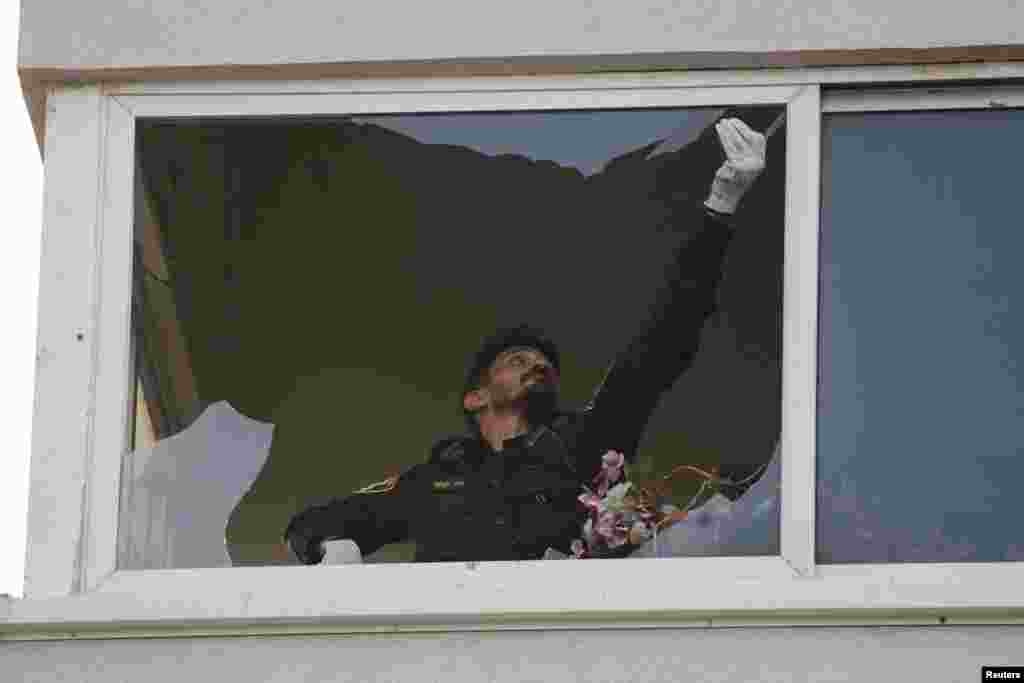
662 349
371 520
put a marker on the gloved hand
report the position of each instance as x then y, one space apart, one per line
745 159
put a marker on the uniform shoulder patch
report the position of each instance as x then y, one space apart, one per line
383 486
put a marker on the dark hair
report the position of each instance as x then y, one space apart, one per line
492 345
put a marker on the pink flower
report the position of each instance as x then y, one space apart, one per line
613 459
612 463
590 501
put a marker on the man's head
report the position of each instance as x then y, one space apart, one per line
516 369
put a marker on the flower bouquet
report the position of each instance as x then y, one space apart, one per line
621 515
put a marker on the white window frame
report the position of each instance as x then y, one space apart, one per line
84 379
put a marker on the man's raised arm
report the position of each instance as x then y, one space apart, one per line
666 344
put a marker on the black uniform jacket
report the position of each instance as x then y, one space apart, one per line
469 502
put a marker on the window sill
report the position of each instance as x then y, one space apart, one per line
655 593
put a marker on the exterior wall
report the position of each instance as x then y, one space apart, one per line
772 654
61 39
115 39
176 39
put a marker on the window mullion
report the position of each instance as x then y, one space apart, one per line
800 329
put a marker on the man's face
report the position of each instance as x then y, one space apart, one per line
522 375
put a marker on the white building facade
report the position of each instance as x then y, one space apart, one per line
853 80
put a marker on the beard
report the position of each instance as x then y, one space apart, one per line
541 402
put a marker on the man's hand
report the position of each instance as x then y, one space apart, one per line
306 550
745 159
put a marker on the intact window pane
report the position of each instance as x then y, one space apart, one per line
309 294
921 395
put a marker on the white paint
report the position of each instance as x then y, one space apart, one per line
800 329
637 593
65 379
112 376
905 99
927 73
609 92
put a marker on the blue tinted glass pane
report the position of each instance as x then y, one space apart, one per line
921 398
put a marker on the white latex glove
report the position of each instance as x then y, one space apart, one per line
343 551
745 158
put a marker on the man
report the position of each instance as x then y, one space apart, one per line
508 490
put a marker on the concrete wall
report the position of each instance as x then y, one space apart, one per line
182 39
733 654
62 40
